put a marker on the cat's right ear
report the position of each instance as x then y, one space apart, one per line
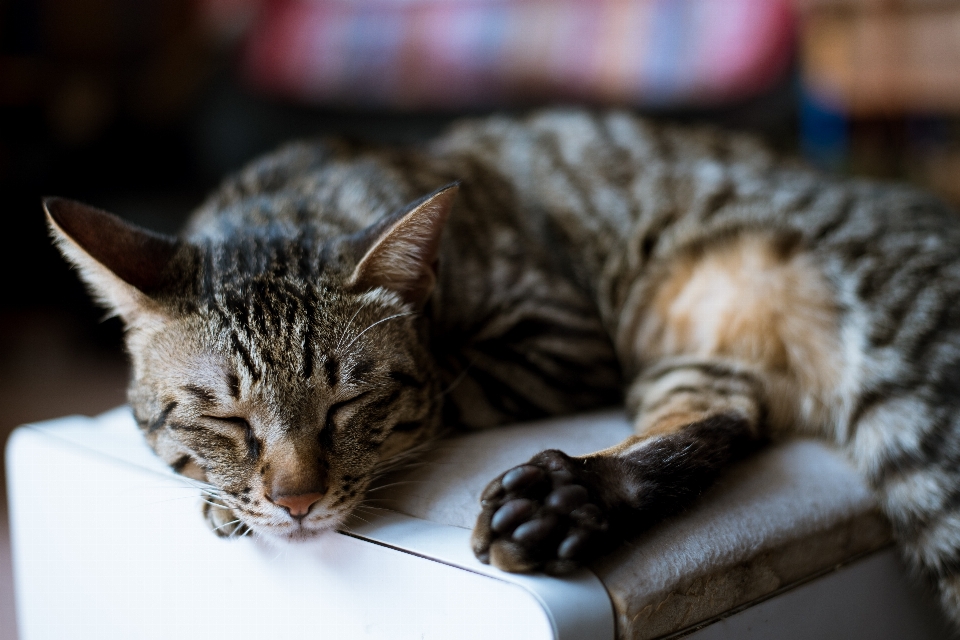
120 262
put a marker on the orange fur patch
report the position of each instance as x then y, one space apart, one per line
761 303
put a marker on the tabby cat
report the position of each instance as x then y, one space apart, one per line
321 317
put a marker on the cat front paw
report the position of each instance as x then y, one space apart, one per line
540 515
222 520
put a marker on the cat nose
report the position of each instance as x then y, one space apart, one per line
298 505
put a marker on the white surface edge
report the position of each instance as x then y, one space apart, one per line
577 605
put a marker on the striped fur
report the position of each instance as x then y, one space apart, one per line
728 295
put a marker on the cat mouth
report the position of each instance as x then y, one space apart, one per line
281 527
301 531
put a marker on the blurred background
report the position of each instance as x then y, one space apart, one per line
141 106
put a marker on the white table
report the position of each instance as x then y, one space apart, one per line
109 543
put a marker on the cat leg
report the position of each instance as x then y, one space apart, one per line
557 511
732 337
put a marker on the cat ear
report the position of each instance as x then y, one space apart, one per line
403 253
122 263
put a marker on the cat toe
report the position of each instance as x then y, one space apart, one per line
222 520
511 556
539 515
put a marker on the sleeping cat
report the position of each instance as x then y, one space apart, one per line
332 305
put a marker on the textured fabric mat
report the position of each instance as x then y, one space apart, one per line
793 510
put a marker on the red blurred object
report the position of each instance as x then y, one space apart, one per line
464 53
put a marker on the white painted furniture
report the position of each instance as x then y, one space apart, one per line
108 543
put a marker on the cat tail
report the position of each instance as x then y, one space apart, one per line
909 448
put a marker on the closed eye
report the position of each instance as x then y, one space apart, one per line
250 438
239 422
337 406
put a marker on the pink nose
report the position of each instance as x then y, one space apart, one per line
298 505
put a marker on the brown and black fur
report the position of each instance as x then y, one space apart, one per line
321 318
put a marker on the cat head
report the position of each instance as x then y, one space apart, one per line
285 371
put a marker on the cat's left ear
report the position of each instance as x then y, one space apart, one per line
403 253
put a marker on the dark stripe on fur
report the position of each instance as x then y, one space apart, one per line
570 380
910 527
836 222
308 355
932 450
244 356
233 385
161 419
203 395
724 195
254 446
935 334
597 379
879 394
505 398
667 397
900 295
209 290
361 369
385 404
179 426
711 369
309 303
528 328
332 368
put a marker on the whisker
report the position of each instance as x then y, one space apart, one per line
359 518
210 494
458 379
394 484
155 502
193 482
356 514
166 486
226 524
350 323
396 462
201 486
396 315
414 464
364 505
383 500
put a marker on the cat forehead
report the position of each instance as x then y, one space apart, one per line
279 307
185 352
293 336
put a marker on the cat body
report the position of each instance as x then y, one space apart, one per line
321 318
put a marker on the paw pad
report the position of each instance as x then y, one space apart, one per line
538 515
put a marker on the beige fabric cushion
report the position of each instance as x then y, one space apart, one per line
790 512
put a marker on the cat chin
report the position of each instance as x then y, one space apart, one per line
296 533
303 535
